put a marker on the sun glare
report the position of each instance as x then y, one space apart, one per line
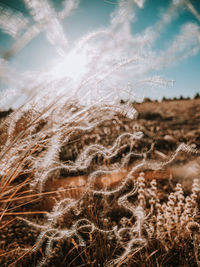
73 66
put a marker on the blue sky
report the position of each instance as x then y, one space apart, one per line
94 14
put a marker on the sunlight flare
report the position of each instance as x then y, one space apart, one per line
73 66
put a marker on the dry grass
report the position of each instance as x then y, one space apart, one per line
109 217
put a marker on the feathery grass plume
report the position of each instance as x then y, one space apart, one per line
141 190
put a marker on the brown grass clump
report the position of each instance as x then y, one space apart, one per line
137 225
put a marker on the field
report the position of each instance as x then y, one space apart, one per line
89 176
108 196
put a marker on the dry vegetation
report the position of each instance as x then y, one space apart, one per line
85 180
102 197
